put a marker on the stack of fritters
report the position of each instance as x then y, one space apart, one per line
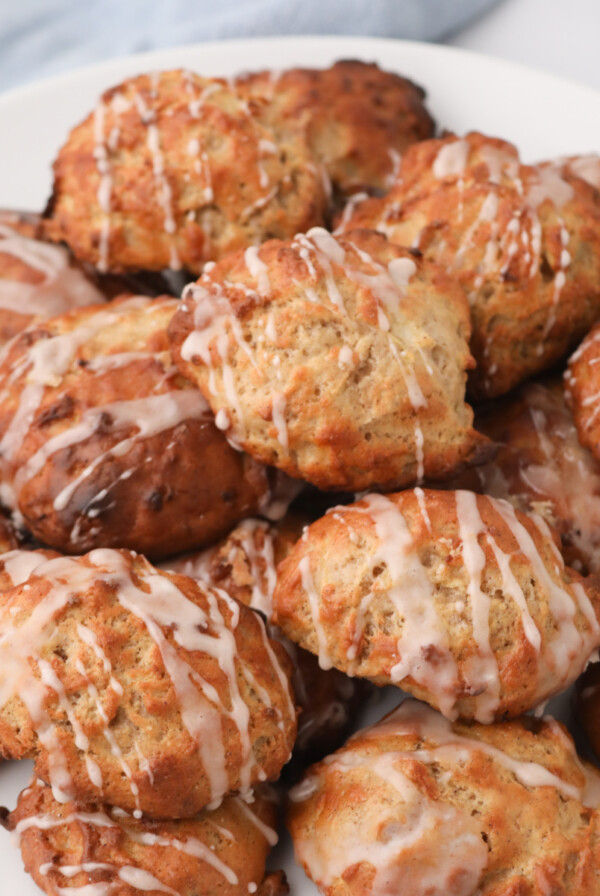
226 434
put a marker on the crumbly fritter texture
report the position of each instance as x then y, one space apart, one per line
245 565
586 705
358 119
454 597
582 390
105 444
37 279
219 852
523 240
417 805
139 688
541 466
342 362
173 169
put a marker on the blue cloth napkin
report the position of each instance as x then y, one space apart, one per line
43 37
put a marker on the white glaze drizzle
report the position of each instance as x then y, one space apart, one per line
19 565
202 709
218 331
191 846
587 168
401 842
564 484
410 590
150 416
549 184
215 326
569 643
451 159
258 269
546 183
325 661
345 357
396 162
164 192
351 205
278 405
411 594
443 743
63 286
44 364
268 833
481 670
262 562
104 192
47 361
327 251
560 278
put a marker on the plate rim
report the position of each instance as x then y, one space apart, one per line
151 58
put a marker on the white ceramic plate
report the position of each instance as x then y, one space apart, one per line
545 116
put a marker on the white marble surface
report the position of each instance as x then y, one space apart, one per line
557 36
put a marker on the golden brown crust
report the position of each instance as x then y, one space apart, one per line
358 119
455 597
116 448
417 805
37 279
140 688
173 169
245 565
217 853
582 388
340 362
524 242
542 467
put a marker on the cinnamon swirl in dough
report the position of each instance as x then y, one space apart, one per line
96 849
37 279
523 240
245 565
172 169
104 443
541 466
139 688
457 598
357 118
342 362
417 805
